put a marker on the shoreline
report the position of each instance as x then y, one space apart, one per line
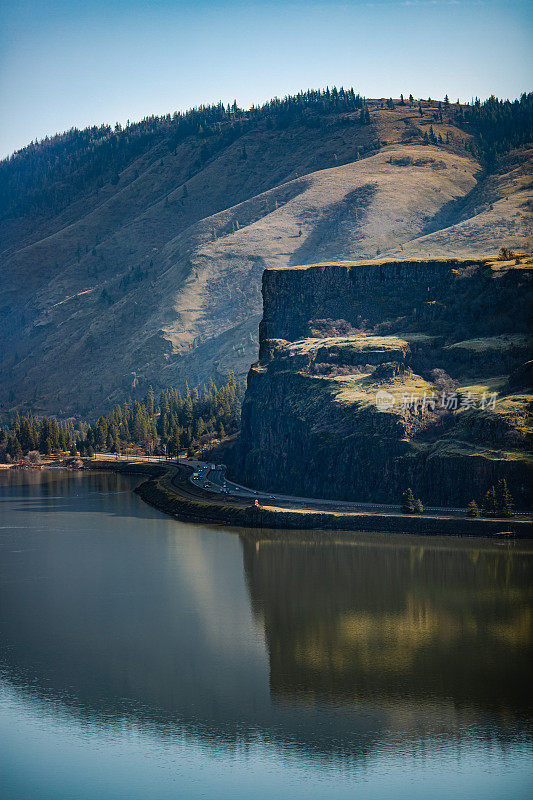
165 488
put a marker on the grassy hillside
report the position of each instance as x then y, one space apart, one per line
134 257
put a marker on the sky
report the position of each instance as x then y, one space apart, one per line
66 63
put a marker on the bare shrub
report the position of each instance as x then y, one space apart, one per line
506 255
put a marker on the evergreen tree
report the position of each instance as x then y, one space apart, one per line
472 510
54 433
27 435
497 125
13 448
504 499
408 502
490 505
44 434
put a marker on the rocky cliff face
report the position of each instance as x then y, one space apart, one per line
377 376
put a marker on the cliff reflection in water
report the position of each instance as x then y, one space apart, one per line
391 621
332 645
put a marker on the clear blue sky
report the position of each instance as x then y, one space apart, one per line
69 63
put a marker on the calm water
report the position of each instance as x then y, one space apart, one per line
145 658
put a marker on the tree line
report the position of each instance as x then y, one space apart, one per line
48 174
497 125
497 502
176 422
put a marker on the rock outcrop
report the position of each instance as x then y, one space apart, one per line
377 376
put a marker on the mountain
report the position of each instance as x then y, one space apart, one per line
384 375
133 256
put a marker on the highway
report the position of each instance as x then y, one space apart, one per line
210 479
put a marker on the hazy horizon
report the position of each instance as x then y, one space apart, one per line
64 64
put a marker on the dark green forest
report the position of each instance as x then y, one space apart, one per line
173 424
497 125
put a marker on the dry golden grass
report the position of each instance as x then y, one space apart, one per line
494 343
358 343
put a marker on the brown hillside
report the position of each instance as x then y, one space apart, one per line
145 282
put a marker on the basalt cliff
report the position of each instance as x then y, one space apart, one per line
377 376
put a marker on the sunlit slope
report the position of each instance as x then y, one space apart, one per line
497 210
356 210
156 279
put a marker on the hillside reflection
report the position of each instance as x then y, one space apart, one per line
393 621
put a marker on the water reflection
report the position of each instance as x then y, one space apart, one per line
395 621
337 647
38 489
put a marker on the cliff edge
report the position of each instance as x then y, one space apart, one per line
375 376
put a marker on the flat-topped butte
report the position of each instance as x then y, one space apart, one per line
448 340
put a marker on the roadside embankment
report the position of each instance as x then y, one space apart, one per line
167 488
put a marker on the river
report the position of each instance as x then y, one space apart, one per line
142 657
